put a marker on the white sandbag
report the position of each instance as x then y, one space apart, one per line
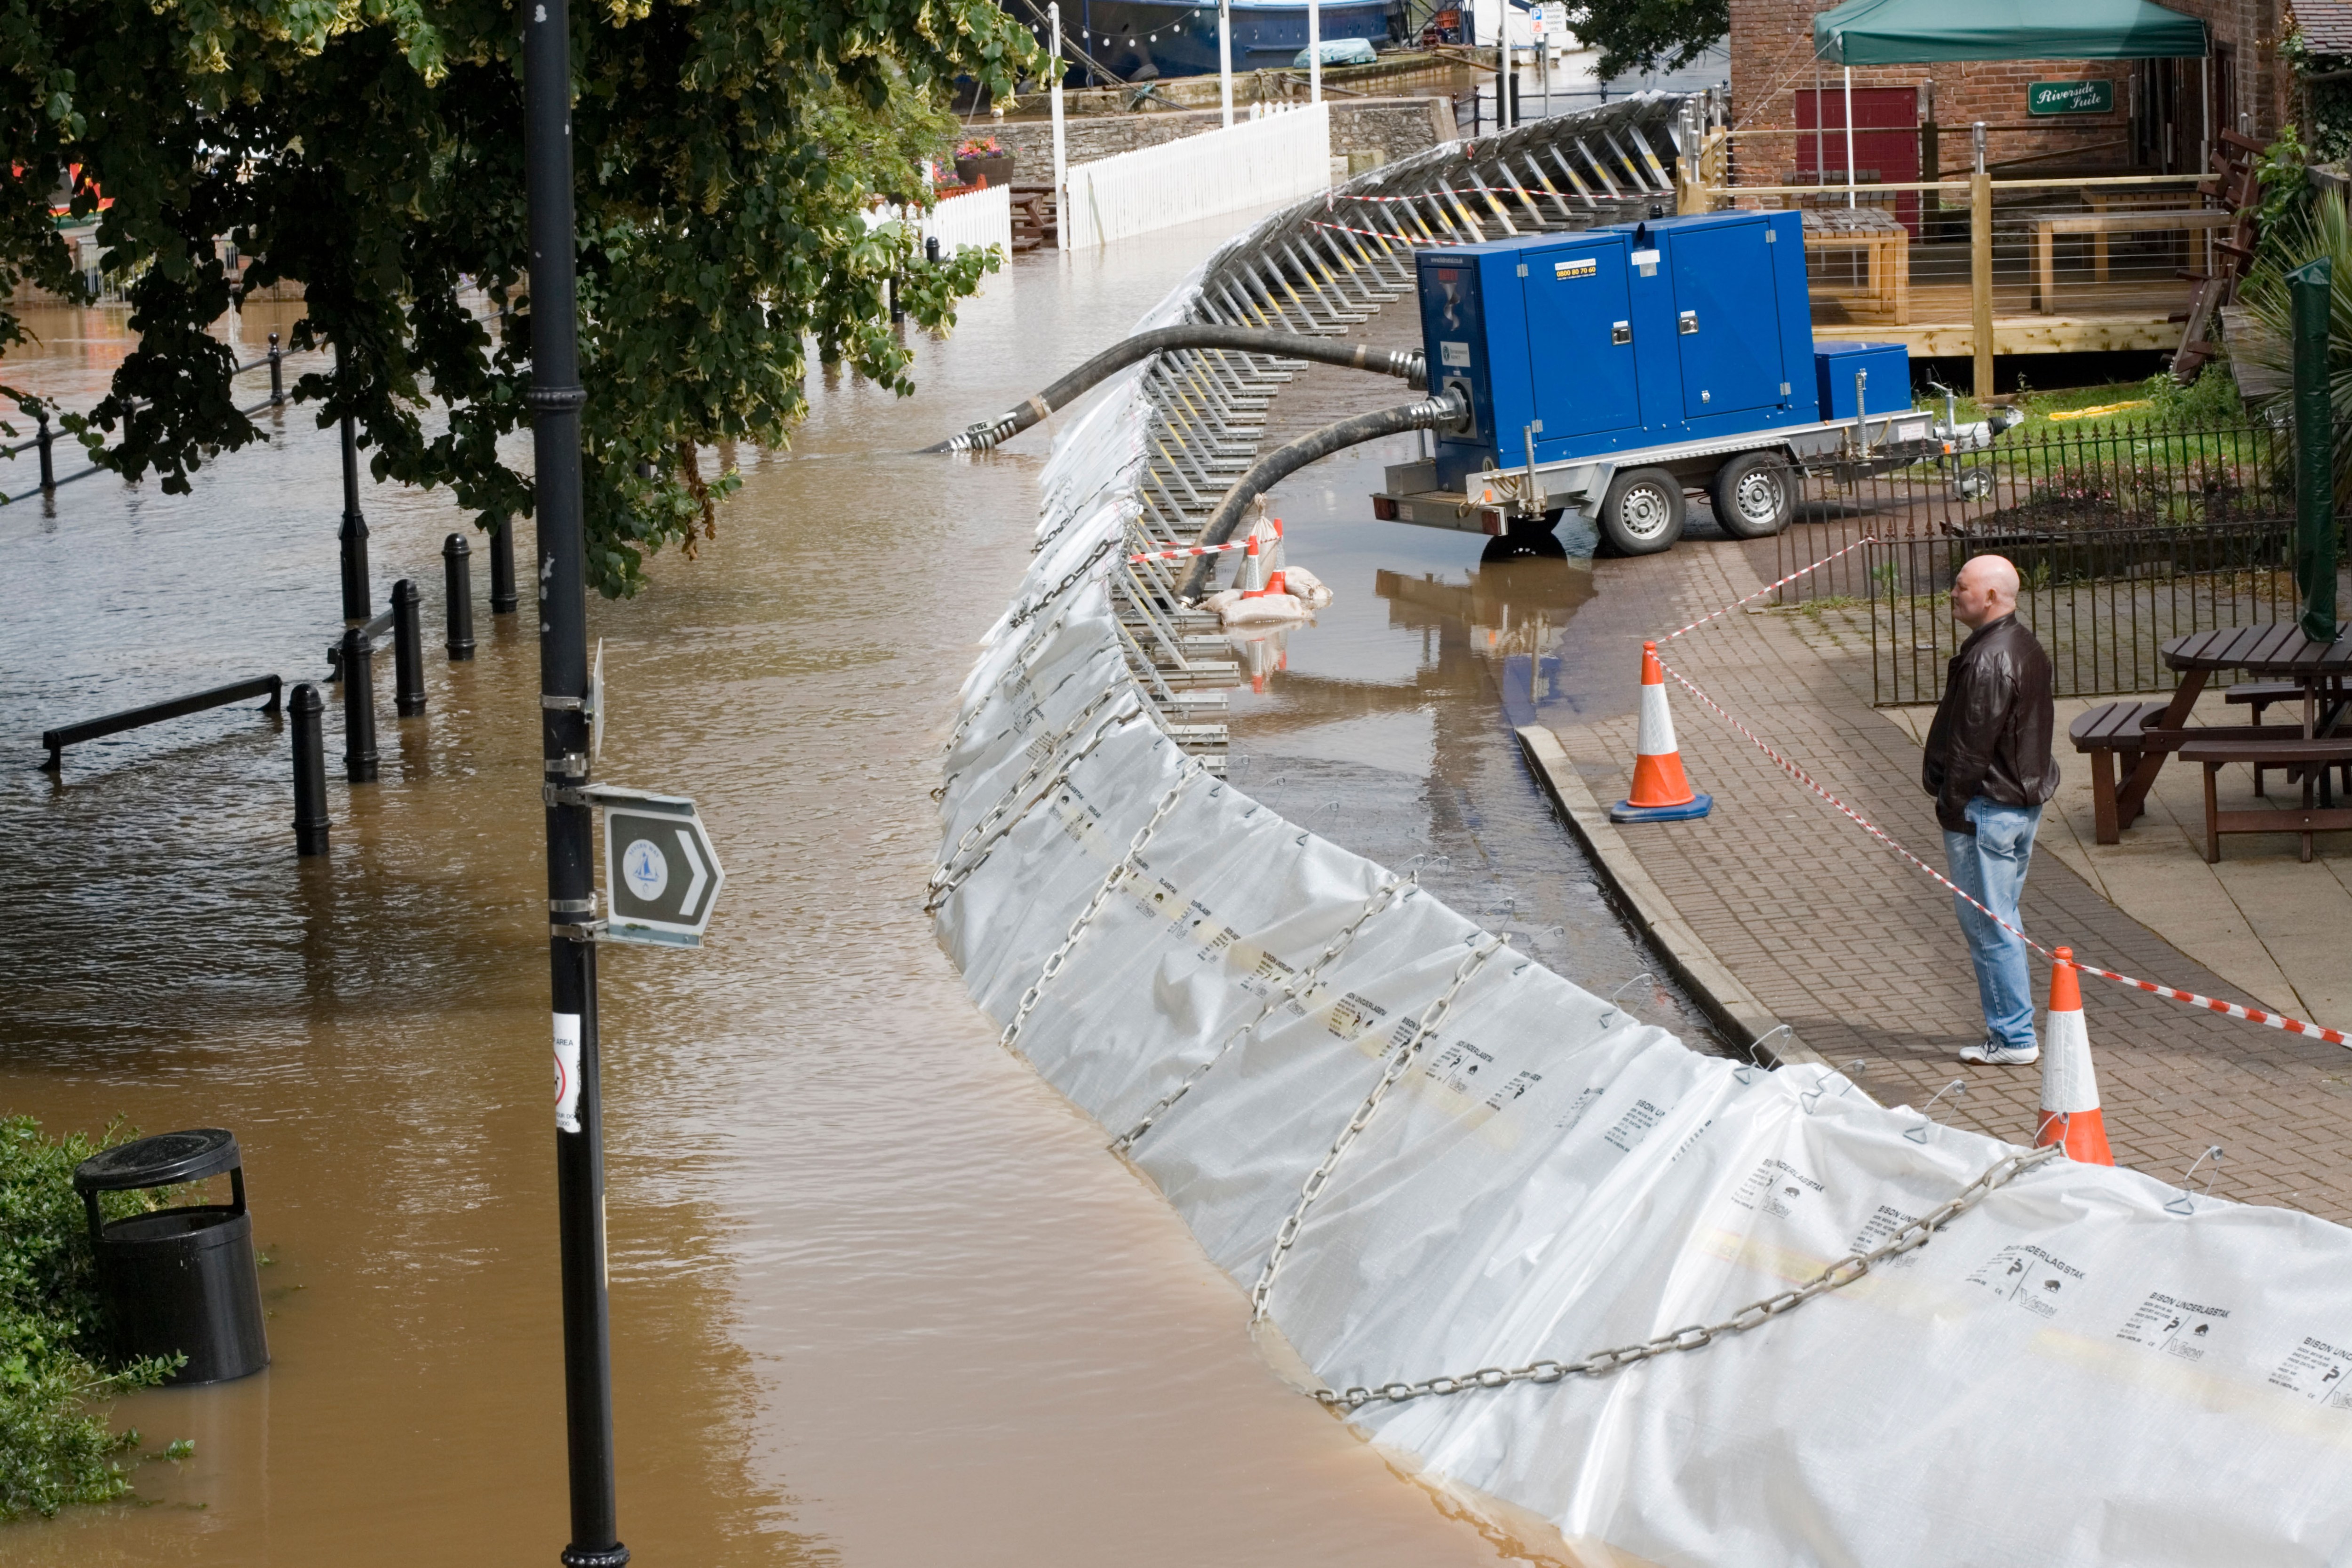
1307 588
1261 609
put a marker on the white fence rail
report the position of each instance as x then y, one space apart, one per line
1255 163
981 217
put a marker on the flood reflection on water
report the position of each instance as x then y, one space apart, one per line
878 1293
1388 727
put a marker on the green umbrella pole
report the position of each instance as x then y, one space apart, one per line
2312 287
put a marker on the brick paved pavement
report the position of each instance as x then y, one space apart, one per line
1861 953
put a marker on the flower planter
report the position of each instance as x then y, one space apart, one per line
995 170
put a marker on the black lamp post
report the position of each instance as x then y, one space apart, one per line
554 399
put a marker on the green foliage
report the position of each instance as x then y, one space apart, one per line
53 1452
2283 173
724 151
2328 101
2324 230
2211 399
1648 34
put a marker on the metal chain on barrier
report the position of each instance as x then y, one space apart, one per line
1399 1060
1021 616
951 876
1297 990
1191 769
1837 1276
1029 645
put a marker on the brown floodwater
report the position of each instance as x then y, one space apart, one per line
878 1294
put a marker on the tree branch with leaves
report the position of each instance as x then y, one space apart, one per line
727 153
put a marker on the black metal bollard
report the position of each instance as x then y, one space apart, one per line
407 649
276 373
502 582
931 249
456 562
359 708
311 819
502 567
47 440
897 309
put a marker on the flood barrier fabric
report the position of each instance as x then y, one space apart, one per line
2089 1367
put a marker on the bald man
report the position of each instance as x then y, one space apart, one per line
1990 768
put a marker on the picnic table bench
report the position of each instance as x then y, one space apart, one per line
2312 673
2105 732
2128 729
2315 754
1884 246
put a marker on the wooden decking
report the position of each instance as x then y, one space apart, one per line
2122 314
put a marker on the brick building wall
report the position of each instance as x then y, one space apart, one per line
1772 61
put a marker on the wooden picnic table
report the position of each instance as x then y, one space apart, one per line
1885 247
2099 225
2276 650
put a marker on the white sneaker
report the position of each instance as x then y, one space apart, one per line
2000 1056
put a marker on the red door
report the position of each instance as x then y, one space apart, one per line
1885 141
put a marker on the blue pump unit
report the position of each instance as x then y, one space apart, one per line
1619 339
1885 386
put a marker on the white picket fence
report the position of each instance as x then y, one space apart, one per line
981 217
1252 165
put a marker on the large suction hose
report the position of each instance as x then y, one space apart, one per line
1404 363
1429 413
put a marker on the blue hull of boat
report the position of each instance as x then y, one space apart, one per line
1144 40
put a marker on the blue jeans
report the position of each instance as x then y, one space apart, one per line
1990 868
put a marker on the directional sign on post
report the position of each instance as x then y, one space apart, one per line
661 874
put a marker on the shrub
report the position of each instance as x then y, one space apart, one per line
2324 230
53 1451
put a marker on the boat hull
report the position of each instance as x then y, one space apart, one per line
1146 40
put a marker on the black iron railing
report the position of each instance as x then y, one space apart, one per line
2124 537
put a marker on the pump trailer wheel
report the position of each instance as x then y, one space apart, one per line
1753 495
1642 512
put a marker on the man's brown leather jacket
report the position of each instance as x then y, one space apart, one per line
1991 734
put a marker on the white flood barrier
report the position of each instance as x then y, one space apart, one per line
1252 165
2086 1366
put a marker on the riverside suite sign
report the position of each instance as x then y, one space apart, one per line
2071 98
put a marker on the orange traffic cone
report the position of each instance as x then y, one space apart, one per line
1275 582
1661 792
1253 583
2070 1086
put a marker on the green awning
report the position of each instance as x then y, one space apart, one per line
1922 32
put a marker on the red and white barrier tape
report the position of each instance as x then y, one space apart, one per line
2229 1009
1768 587
1186 551
1335 197
2251 1014
1376 234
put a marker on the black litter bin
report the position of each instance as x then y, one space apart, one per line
178 1281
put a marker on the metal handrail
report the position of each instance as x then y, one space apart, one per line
64 735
